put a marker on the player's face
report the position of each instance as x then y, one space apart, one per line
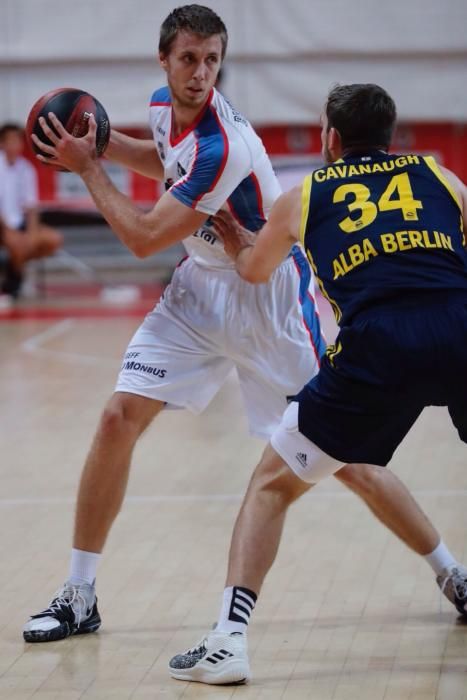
12 144
192 67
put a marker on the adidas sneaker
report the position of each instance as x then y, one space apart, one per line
219 658
453 583
72 611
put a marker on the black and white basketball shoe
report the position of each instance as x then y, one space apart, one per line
73 610
453 583
219 658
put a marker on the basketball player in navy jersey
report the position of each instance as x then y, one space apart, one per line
209 157
384 235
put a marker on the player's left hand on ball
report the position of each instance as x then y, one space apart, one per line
232 234
71 153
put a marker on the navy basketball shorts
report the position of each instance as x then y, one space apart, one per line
384 369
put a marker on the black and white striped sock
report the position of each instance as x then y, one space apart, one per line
237 605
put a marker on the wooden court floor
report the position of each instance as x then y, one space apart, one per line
347 612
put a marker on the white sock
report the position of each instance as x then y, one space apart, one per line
237 606
83 566
440 559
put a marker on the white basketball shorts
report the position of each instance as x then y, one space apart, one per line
210 321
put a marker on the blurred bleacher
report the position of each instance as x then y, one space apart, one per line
92 254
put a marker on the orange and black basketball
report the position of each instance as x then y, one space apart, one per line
73 108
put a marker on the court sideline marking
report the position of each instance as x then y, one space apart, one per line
34 346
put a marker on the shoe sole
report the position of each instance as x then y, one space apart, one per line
62 631
229 675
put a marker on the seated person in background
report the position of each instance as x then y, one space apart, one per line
24 237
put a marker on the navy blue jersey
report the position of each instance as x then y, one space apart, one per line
379 228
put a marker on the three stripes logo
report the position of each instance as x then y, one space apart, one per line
301 458
220 655
241 607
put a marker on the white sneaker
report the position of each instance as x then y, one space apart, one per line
219 658
453 584
73 610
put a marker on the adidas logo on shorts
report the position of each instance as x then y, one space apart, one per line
301 458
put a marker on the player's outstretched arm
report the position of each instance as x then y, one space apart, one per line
139 155
144 233
255 262
460 189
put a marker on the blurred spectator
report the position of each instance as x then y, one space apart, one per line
24 237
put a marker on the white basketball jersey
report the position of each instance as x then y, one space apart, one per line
217 161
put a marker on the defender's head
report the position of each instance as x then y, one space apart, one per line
357 117
192 45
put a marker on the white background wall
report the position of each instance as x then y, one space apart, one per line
283 57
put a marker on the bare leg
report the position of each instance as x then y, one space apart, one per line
17 245
258 528
105 474
24 246
44 241
391 502
274 487
255 540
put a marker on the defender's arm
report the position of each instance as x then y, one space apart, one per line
256 262
461 191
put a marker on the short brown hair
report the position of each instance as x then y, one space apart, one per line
196 19
10 127
363 114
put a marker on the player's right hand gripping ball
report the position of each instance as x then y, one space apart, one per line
73 108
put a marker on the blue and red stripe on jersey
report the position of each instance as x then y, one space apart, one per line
309 310
246 203
210 158
161 98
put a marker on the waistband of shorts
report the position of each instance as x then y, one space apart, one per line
411 302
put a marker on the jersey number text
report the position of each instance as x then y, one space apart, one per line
397 195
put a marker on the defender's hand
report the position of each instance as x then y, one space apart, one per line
232 234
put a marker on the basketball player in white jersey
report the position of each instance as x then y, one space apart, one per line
209 320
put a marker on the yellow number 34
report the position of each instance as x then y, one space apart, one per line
397 195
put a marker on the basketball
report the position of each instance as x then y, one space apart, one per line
73 108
